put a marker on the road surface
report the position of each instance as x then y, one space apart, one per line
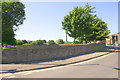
102 67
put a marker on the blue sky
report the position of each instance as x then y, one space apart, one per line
43 19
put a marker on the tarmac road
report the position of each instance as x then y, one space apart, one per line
102 67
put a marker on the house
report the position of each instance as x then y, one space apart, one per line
113 39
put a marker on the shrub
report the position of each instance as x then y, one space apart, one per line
24 41
51 42
37 42
77 42
116 42
19 42
44 41
33 42
29 41
26 44
60 41
107 43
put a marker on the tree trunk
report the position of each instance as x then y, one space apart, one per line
2 44
74 40
85 41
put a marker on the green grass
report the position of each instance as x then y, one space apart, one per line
8 47
107 43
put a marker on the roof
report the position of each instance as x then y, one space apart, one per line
115 34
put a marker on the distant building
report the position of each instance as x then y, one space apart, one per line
113 38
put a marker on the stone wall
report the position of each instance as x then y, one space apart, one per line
29 53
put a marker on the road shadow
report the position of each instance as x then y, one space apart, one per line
115 68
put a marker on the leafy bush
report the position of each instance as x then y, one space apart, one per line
51 42
37 42
19 42
60 41
44 41
24 41
33 43
116 42
29 42
26 44
107 43
77 42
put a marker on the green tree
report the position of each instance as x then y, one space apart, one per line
51 42
0 24
82 24
80 40
13 15
78 23
60 41
100 31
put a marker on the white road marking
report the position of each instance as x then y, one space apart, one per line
93 59
11 76
25 72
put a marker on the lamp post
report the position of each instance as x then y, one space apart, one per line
66 37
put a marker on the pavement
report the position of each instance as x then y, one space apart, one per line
102 67
14 68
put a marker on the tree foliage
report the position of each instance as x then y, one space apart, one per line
13 15
51 42
60 41
24 41
37 42
100 31
44 41
21 42
80 23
